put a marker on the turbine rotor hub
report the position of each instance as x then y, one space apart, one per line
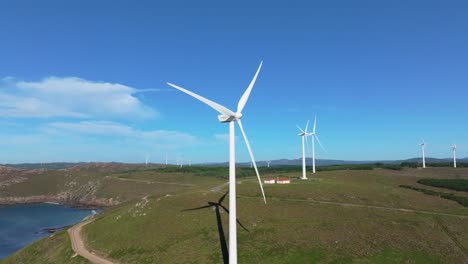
229 118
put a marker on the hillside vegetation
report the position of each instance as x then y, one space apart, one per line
88 184
54 249
453 184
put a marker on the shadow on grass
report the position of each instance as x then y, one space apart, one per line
222 236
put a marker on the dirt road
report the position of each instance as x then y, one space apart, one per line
359 205
150 182
79 247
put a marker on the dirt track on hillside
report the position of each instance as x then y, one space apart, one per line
79 247
359 205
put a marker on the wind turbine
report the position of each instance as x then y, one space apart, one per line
314 136
228 116
423 145
268 163
454 151
304 135
146 160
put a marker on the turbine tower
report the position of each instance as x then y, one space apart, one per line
304 135
423 145
454 151
228 116
314 136
268 163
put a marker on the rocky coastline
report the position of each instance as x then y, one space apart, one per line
66 200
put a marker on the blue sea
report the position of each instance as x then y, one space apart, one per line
21 225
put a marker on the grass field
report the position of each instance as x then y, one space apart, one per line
55 248
340 216
88 184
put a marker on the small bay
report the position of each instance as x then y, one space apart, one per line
23 224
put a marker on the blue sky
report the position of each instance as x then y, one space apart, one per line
85 80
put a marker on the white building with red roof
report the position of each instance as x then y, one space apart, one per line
283 181
269 181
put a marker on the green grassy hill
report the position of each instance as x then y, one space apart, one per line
56 248
95 184
341 216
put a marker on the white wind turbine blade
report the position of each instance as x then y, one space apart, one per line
315 123
221 109
300 128
307 125
251 157
320 143
245 96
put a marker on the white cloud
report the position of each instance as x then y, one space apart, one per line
166 138
70 97
24 106
94 141
222 137
90 127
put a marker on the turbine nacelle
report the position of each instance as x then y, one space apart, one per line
303 132
423 143
229 118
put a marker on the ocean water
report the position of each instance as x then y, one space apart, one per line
21 225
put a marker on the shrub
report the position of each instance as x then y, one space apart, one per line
459 199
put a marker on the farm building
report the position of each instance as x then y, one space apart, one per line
269 181
283 181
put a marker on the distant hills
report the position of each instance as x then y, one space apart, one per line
64 165
50 166
278 162
328 162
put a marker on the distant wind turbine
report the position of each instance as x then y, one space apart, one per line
268 163
228 116
454 151
146 160
423 145
314 136
304 135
